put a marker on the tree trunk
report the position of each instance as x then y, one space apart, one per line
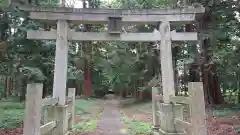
78 88
23 89
209 77
175 52
134 91
87 80
87 68
6 87
194 73
211 83
45 90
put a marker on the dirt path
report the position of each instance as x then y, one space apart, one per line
111 122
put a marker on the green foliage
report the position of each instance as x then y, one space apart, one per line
137 4
121 65
4 3
118 66
85 106
74 73
12 119
222 112
85 126
33 74
1 92
50 3
137 127
11 105
225 112
11 114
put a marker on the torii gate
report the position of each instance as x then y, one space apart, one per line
64 16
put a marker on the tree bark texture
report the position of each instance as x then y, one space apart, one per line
87 90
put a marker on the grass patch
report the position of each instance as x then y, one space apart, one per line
137 127
11 105
85 106
85 126
11 115
222 112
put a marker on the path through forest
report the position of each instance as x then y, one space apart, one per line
111 122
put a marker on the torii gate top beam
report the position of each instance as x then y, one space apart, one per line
100 16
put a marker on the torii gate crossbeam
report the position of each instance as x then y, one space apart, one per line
104 36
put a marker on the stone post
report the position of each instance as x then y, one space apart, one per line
155 118
48 116
61 116
71 106
33 109
197 108
168 112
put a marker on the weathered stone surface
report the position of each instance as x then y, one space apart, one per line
166 61
61 60
101 15
104 36
158 11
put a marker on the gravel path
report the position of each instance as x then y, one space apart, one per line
111 120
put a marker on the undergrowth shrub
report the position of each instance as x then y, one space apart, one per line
85 126
11 115
1 92
137 127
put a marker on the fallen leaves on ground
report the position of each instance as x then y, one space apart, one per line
221 126
17 131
